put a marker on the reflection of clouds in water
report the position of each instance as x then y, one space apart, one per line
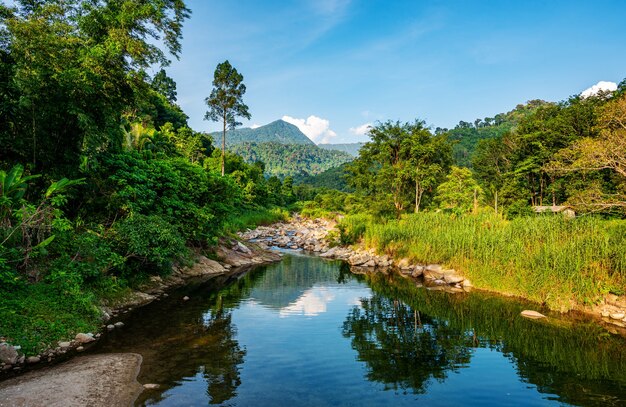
311 303
355 301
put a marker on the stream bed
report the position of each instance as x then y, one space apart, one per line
307 332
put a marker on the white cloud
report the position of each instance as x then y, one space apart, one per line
602 86
361 130
315 128
255 126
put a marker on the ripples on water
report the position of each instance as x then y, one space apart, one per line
306 332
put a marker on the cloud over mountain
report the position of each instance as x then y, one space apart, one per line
315 128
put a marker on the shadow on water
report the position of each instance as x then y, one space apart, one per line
407 338
408 335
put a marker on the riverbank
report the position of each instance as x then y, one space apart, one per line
323 237
231 257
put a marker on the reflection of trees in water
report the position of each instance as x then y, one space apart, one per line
402 348
579 361
283 283
180 340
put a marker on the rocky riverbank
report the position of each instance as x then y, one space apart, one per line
232 256
320 236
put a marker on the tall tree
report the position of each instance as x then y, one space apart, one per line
401 162
226 100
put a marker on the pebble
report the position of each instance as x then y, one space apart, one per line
532 314
185 298
80 348
110 327
118 324
33 359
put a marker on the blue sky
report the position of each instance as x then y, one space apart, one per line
333 66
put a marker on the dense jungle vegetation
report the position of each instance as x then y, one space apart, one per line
102 183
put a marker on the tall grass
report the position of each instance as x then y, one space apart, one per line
253 218
548 259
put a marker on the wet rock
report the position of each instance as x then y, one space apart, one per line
33 359
358 259
150 386
118 324
84 338
185 298
110 327
8 354
204 266
532 314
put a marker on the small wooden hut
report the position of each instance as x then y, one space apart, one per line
567 211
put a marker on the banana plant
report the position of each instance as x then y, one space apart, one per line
13 186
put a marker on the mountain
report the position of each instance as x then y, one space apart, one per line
284 160
350 148
278 131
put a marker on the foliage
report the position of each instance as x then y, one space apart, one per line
401 163
460 192
295 160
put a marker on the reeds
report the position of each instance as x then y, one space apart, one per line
556 261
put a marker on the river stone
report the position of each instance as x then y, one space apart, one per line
84 338
419 270
150 386
8 354
617 315
33 359
532 314
404 264
431 274
358 259
118 324
185 298
65 344
110 327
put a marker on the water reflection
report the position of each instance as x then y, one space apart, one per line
402 348
307 332
407 335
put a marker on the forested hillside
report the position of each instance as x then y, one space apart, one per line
284 160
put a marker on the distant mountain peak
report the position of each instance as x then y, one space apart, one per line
278 131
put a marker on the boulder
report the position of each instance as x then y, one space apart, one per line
205 266
532 314
84 338
358 259
8 354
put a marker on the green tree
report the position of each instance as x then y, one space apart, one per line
460 192
400 163
226 100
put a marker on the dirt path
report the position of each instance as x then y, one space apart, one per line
94 380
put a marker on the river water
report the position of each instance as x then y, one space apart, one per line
307 332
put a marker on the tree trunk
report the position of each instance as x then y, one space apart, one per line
496 202
224 145
417 203
475 201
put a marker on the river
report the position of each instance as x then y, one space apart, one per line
307 332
